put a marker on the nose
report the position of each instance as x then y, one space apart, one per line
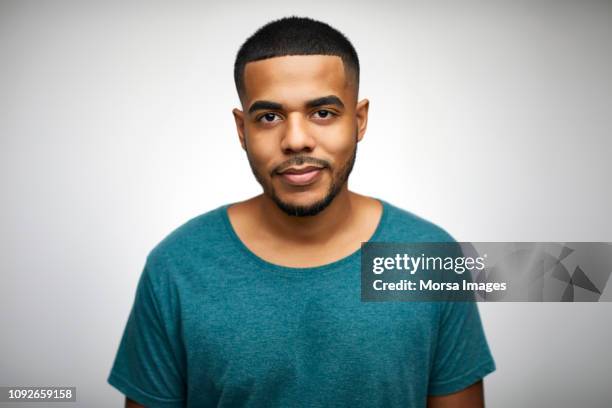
296 137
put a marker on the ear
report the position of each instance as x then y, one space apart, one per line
239 119
361 112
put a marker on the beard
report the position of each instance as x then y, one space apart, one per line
339 179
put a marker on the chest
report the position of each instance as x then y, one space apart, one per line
293 331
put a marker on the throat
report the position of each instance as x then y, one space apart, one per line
304 242
311 231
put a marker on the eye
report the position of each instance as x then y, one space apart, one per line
323 114
268 117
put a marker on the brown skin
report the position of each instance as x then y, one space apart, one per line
132 404
470 397
328 132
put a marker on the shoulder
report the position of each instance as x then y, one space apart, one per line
204 233
401 225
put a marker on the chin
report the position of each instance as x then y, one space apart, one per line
303 207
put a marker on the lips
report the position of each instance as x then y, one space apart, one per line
301 176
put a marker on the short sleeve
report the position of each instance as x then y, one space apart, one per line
149 366
462 355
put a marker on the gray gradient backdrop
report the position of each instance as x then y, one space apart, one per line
492 119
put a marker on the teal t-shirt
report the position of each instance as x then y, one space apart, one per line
213 324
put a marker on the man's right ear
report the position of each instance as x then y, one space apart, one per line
239 119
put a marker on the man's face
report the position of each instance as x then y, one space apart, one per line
300 129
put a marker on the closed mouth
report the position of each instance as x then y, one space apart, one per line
301 177
301 170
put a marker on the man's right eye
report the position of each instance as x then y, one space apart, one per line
268 117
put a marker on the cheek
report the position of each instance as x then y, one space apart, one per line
262 150
338 143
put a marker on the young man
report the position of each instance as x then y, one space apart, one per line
257 303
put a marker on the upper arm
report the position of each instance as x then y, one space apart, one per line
470 397
150 363
132 404
461 357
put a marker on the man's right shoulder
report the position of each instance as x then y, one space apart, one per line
204 233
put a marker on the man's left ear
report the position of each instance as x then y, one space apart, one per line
361 112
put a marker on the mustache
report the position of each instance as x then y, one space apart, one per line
298 161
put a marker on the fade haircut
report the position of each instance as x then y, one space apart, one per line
296 36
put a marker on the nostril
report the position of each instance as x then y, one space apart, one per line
297 143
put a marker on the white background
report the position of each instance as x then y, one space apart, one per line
491 119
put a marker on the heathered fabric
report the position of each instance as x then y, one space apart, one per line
213 324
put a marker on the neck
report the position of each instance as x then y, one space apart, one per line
311 229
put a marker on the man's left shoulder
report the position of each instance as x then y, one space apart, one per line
405 226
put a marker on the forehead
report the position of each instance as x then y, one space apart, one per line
295 78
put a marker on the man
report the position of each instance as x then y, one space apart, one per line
257 303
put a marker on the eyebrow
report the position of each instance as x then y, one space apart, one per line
261 105
313 103
325 100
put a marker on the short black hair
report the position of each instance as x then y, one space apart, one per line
295 36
